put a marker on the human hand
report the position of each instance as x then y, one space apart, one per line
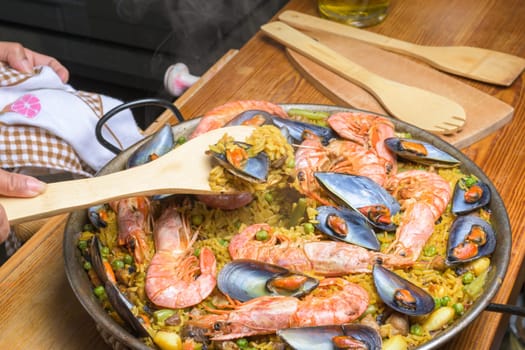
23 59
16 185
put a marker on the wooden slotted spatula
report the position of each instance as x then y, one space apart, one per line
471 62
416 106
183 170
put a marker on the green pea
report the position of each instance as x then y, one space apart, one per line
242 343
128 259
99 291
104 251
416 329
223 242
181 140
468 277
87 266
117 264
197 219
268 196
458 308
445 300
430 250
197 252
437 303
82 244
261 235
290 163
308 227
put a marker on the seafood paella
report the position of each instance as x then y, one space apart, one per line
341 233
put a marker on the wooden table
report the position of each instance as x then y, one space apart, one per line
39 310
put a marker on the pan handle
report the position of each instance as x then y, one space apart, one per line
507 309
132 104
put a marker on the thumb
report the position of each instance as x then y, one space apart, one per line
17 185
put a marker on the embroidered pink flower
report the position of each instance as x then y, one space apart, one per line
27 105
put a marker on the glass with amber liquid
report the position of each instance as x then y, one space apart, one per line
358 13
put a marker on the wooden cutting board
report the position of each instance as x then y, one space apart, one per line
485 113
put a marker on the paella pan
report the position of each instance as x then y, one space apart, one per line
121 336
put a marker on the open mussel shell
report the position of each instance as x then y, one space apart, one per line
466 199
470 238
118 301
420 152
363 195
296 129
346 225
245 279
330 337
400 294
252 117
254 169
159 144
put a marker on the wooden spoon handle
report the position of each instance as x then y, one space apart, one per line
312 23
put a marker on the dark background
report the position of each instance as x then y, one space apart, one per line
122 48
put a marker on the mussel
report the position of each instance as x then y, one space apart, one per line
420 152
363 195
159 144
296 129
245 279
470 238
253 117
469 194
346 336
237 161
118 301
400 294
346 225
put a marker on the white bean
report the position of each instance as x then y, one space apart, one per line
397 342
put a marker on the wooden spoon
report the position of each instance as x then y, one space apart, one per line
472 62
184 170
416 106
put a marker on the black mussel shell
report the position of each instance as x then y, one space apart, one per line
160 143
470 238
94 216
469 198
253 117
118 301
255 169
327 337
363 195
296 129
346 225
245 279
400 294
420 152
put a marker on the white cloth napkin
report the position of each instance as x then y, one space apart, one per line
42 100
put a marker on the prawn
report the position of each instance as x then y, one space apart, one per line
267 314
311 156
367 130
326 258
219 116
172 278
424 197
134 224
352 158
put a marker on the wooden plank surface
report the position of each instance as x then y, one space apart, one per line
485 113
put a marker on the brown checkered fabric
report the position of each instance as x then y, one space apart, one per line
10 77
27 146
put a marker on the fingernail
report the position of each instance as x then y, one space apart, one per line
26 66
35 186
